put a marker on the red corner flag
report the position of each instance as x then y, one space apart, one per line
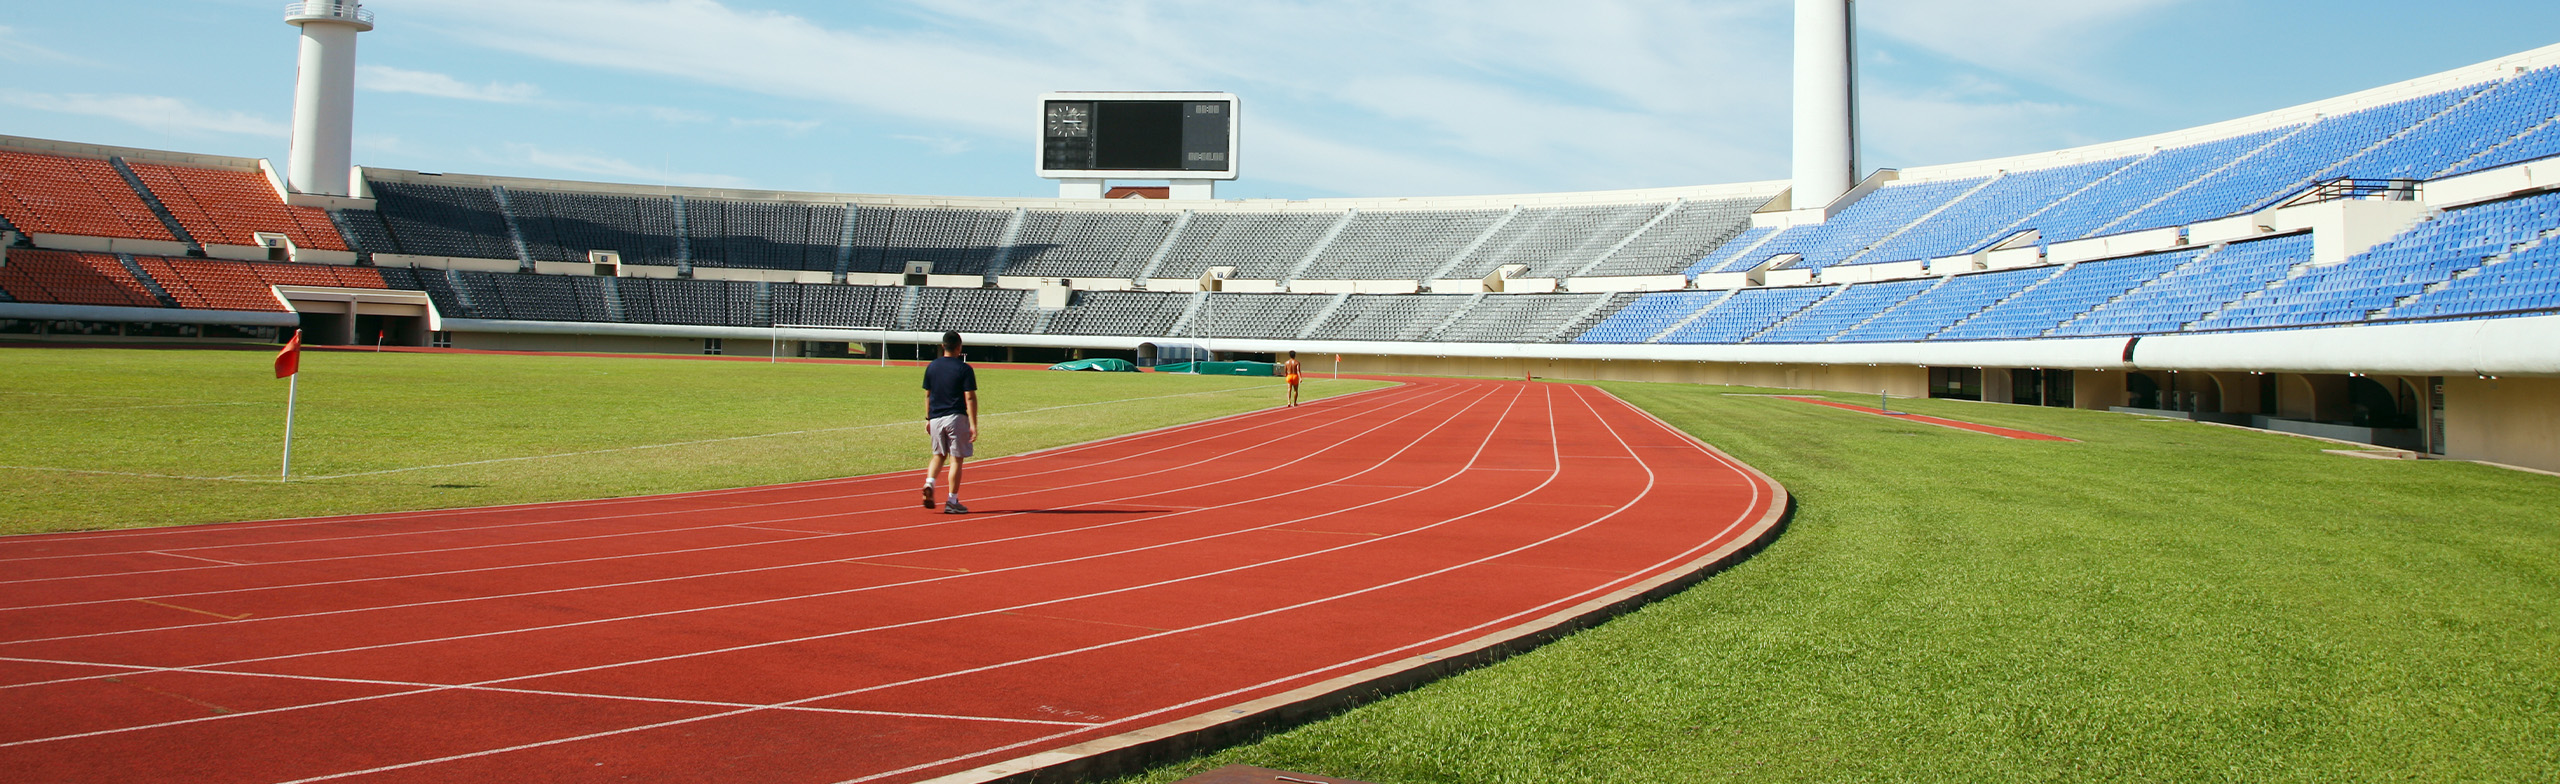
289 361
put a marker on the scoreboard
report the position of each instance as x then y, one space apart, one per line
1138 136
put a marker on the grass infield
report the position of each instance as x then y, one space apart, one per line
2163 601
116 438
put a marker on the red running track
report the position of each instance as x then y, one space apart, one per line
1106 599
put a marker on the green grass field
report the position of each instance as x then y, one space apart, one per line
111 438
2166 601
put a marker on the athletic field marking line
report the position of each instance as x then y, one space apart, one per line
120 473
1126 719
1553 567
420 687
1410 444
217 709
194 610
779 530
902 566
1065 619
196 557
655 580
1042 454
164 405
1925 419
750 437
606 733
1532 612
1361 396
678 577
631 515
261 479
685 577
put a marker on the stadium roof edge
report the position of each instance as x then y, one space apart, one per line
1764 189
103 152
2470 74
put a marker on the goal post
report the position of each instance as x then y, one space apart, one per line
852 334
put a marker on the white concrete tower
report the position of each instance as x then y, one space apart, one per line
324 94
1826 106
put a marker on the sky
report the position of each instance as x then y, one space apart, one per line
1365 99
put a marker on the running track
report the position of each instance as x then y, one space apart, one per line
1107 600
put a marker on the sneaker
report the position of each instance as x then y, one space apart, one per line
928 496
954 507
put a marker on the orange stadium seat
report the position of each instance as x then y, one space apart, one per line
211 284
231 207
66 278
61 195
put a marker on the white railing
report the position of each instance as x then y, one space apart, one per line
342 10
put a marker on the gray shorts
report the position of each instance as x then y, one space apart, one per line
950 435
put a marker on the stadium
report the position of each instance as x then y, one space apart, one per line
2198 329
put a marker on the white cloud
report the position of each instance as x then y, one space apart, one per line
14 48
2057 44
1942 127
789 127
671 115
618 169
383 144
164 114
939 145
1596 93
383 78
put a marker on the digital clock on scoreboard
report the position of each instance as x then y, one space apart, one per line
1138 136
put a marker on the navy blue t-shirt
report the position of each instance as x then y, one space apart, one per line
944 380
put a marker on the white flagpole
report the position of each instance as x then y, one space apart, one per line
293 384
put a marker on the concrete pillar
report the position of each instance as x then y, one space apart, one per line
324 95
1826 101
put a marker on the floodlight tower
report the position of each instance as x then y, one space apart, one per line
1826 105
324 94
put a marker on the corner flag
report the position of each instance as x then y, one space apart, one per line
289 366
289 361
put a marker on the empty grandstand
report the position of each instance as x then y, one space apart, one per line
2273 270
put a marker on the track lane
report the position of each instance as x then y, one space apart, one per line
1114 608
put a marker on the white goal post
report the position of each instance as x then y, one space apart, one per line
849 334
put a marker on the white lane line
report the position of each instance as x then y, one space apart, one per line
1240 478
1044 657
422 686
1065 467
1411 443
195 557
1692 553
793 565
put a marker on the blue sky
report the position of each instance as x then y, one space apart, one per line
1341 98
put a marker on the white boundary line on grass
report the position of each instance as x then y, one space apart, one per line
268 480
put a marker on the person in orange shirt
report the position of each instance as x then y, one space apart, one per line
1290 369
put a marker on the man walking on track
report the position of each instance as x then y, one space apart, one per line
1290 369
951 419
